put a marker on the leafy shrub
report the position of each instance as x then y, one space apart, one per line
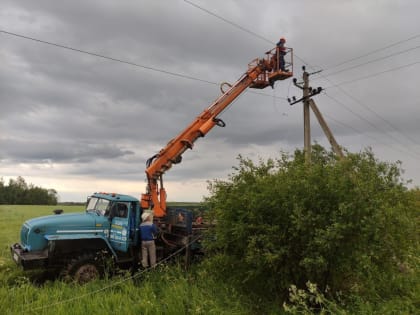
345 224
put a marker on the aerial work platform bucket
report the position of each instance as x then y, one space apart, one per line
275 71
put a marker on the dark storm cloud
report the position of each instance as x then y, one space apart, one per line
20 151
145 30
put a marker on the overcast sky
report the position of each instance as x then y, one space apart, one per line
81 123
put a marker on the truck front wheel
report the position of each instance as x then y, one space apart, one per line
84 268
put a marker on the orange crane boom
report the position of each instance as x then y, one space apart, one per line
260 74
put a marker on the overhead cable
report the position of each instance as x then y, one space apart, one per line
371 61
107 57
121 61
373 75
239 27
398 130
325 77
404 149
229 22
374 51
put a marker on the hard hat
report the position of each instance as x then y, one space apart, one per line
144 216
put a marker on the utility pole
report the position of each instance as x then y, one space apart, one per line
309 103
306 117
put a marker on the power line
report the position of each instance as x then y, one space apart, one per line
29 306
372 75
354 129
184 76
229 22
239 27
272 96
336 85
364 134
209 82
360 103
412 153
379 116
108 58
354 113
372 111
374 51
271 42
371 61
366 106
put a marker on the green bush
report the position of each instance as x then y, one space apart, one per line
348 225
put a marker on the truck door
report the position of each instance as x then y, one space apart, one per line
119 230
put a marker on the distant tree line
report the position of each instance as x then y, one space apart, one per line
17 191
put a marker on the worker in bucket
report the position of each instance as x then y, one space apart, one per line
148 231
281 52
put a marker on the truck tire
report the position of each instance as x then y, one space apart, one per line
84 268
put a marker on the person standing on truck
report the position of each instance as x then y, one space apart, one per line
148 230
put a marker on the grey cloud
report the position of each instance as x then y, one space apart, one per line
84 112
20 151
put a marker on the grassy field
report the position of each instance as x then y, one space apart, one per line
166 290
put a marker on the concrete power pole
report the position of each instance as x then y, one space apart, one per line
308 103
336 148
306 118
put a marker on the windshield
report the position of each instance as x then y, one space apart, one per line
100 206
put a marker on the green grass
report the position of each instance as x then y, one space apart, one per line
166 290
161 292
12 218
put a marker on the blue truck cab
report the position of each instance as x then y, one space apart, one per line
77 244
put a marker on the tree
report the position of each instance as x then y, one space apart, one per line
339 224
2 191
52 196
19 192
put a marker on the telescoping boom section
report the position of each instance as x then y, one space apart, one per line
260 74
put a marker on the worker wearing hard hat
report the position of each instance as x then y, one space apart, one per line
148 230
281 51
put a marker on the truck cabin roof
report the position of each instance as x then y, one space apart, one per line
114 197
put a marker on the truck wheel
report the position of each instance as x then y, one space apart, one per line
85 268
